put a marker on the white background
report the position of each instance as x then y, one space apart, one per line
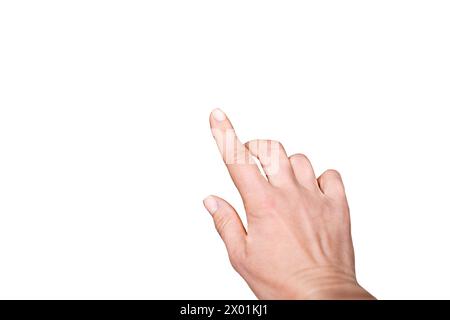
106 154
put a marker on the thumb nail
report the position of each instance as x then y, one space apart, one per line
211 204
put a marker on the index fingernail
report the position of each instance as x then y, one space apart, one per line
219 115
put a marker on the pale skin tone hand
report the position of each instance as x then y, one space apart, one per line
297 244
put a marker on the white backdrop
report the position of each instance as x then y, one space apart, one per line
106 154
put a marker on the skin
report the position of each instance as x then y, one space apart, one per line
297 244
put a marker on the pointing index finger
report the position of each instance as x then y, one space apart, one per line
242 168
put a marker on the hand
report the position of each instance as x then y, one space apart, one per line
297 244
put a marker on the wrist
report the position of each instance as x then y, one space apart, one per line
328 284
344 291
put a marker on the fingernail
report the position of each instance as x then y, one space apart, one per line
211 204
219 115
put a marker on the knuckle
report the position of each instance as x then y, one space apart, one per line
221 222
264 203
268 202
235 156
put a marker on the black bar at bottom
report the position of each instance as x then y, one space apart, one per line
220 309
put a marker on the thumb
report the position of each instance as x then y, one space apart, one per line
228 225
